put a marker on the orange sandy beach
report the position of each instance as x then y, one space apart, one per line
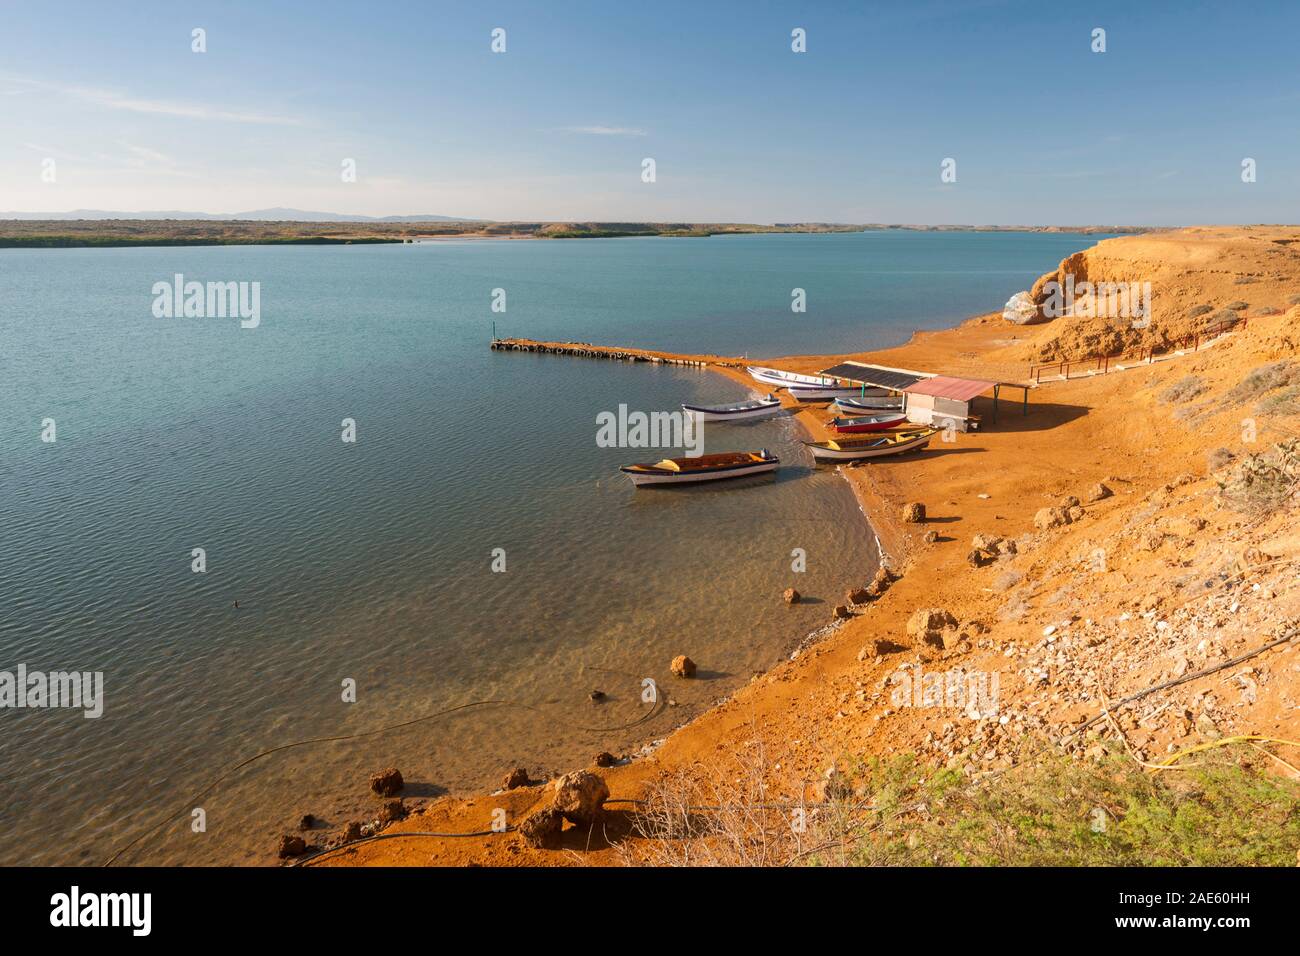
1086 552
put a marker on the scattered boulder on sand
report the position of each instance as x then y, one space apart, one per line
930 537
929 624
387 782
580 796
541 829
392 811
515 778
1097 492
1047 518
881 582
929 619
682 666
791 596
857 595
605 759
841 613
978 558
913 512
873 649
292 845
993 544
352 831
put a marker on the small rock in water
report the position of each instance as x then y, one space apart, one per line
386 782
352 831
597 695
307 822
605 759
682 666
791 596
857 595
841 613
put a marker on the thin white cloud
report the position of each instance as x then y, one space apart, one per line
604 130
110 99
147 155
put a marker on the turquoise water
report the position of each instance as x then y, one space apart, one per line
372 561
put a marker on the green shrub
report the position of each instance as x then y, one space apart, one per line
1184 390
1264 379
1063 812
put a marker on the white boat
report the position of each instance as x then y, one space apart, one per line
780 379
872 403
680 471
737 411
854 449
825 393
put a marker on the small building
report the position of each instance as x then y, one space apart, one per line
943 401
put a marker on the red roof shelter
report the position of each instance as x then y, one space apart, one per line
961 390
944 386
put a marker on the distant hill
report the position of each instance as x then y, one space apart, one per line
278 226
275 214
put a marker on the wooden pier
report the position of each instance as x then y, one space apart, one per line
620 354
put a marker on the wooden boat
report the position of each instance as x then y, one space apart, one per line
680 471
737 411
780 379
874 446
870 405
867 423
827 393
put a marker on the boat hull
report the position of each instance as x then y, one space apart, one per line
820 453
689 478
870 405
822 393
706 414
774 376
860 426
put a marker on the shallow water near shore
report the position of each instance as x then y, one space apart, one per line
372 561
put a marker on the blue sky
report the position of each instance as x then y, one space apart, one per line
1043 130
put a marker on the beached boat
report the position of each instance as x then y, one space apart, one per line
875 446
870 405
780 379
737 411
826 393
675 471
867 423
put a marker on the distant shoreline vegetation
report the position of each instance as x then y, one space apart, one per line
74 233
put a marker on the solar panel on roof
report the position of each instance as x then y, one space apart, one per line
874 375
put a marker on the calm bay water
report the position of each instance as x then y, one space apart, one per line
372 561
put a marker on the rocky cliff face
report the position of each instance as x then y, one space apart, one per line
1186 281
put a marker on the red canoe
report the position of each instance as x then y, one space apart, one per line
867 423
